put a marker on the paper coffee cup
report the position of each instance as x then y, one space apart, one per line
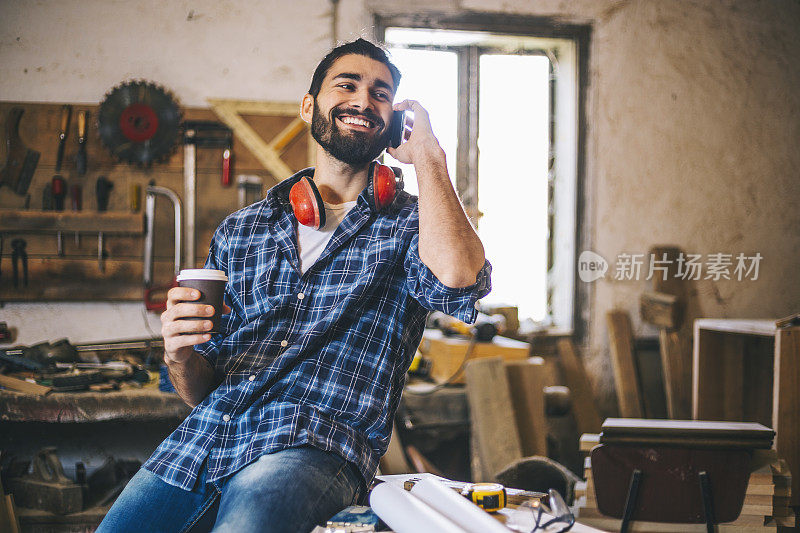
211 284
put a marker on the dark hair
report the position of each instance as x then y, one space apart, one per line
359 46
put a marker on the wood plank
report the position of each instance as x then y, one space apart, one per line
526 380
9 522
689 428
77 279
626 379
16 221
786 404
676 354
584 406
492 419
20 385
677 366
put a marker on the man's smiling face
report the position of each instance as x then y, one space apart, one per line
353 110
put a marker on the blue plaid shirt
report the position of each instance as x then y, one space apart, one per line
315 359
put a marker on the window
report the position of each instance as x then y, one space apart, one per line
504 107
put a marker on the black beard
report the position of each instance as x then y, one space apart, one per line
354 148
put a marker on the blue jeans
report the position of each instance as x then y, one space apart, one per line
292 490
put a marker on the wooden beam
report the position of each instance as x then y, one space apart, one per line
268 154
584 406
626 379
287 135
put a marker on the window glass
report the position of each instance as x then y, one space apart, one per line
513 142
419 69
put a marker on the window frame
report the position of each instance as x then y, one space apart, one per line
576 319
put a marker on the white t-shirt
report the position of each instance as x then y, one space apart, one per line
312 242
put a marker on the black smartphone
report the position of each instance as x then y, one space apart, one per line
397 128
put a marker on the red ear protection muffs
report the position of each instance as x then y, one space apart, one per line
382 184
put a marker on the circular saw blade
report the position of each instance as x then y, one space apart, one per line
139 122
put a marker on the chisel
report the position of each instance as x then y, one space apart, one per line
66 112
58 184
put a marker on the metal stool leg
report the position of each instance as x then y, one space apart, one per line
630 500
708 504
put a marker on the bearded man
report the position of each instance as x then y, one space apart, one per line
293 401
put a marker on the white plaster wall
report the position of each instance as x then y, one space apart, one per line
693 115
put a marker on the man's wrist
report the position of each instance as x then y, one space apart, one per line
176 359
432 157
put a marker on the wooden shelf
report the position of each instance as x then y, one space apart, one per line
25 221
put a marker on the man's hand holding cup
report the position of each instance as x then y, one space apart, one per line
193 312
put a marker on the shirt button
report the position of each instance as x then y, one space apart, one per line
300 296
251 378
226 418
284 343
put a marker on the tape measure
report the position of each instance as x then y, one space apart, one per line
490 497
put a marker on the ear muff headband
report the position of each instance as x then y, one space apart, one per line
309 209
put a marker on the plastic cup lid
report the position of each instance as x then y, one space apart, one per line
202 273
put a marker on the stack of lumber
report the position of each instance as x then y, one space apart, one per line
449 355
766 501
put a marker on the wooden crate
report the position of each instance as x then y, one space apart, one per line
749 371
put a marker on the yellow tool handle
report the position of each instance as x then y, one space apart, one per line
82 124
65 113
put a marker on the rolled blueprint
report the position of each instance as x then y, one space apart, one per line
455 507
405 513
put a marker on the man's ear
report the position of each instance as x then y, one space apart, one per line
307 108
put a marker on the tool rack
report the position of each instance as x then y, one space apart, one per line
75 274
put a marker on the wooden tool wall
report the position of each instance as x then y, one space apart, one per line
77 275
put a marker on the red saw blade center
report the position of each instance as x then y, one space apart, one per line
138 122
